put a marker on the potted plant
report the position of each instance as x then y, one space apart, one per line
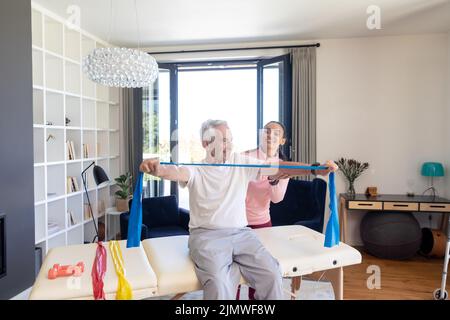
351 169
124 193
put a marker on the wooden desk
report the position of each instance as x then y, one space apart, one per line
390 202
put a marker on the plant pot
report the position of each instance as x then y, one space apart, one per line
122 205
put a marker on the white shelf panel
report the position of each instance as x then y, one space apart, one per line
36 28
38 68
39 184
56 181
102 92
88 107
39 223
56 216
102 144
87 45
114 117
114 168
75 206
114 143
89 144
102 115
54 109
73 78
72 44
53 31
39 145
38 107
55 145
88 87
73 112
54 72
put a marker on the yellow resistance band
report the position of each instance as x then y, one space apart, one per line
124 291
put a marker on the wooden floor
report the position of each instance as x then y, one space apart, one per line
416 278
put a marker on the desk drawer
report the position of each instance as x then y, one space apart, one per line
401 206
365 205
439 207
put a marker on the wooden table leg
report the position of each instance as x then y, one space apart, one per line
178 296
295 285
343 220
336 277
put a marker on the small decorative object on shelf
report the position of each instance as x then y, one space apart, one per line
371 191
351 169
50 136
124 194
67 121
49 123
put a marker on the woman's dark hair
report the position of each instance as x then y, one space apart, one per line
281 154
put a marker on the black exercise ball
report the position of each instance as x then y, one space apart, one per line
391 235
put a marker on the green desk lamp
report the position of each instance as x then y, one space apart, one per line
432 169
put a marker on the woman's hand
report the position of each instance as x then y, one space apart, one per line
332 167
151 166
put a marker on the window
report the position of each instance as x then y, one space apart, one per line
247 94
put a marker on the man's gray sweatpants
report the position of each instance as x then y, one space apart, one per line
220 256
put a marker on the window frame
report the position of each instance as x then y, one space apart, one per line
285 103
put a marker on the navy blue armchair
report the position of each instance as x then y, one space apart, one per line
161 217
303 204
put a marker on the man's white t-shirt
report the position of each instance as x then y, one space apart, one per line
217 194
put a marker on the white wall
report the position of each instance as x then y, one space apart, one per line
447 184
384 100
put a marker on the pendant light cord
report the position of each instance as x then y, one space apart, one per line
137 25
110 19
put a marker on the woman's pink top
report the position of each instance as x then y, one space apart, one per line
260 193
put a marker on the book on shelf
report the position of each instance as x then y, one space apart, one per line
71 218
72 146
71 150
98 148
87 212
86 150
72 184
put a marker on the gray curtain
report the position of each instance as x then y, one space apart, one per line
304 105
132 128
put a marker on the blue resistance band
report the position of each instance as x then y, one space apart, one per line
135 221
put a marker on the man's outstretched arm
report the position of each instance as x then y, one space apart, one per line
173 173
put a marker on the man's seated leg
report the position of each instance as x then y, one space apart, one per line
212 254
258 266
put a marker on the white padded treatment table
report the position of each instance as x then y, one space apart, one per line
162 266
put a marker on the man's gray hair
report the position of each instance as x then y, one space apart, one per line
209 124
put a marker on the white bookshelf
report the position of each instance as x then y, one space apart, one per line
60 90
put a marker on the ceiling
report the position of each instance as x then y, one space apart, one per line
192 22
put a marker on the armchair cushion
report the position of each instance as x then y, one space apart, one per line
303 204
160 211
161 217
